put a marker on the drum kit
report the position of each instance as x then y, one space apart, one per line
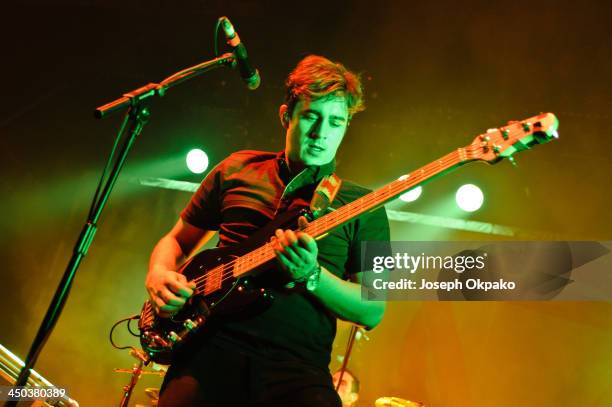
160 370
136 372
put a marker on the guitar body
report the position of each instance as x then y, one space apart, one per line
219 293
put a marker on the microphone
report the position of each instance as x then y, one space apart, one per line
249 75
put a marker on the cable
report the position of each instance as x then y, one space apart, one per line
110 335
130 328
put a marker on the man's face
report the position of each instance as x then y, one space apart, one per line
315 130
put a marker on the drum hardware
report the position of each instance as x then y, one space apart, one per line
396 402
137 371
11 365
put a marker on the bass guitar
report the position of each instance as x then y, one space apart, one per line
224 276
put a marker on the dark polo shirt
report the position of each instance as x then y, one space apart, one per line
242 194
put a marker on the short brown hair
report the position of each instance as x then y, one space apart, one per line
316 76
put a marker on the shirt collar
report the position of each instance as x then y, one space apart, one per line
308 175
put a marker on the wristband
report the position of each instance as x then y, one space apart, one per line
312 281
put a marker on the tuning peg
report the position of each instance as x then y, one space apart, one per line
511 159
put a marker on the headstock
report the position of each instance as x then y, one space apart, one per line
502 142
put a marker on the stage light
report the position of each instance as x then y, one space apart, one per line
197 161
412 195
469 197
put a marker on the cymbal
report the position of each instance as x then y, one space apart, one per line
152 392
396 402
143 371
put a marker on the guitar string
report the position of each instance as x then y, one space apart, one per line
265 251
341 216
392 189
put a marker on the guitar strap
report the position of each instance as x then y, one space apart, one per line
324 194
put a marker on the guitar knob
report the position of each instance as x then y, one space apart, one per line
190 325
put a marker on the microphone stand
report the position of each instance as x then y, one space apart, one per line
136 117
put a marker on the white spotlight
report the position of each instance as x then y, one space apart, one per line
469 197
197 161
411 195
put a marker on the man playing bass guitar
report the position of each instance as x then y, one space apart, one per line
279 356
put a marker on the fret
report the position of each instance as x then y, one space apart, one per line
214 279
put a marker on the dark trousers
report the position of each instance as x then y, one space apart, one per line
216 376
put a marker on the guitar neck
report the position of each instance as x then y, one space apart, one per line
367 203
